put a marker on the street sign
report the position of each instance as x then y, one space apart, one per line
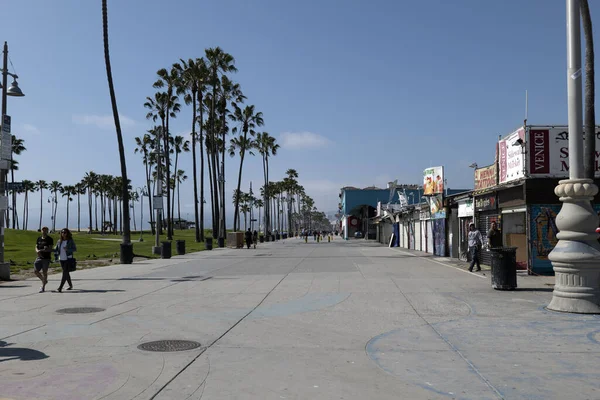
3 203
157 203
14 186
6 139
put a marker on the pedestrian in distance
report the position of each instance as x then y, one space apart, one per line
255 238
65 247
43 248
475 241
494 236
248 237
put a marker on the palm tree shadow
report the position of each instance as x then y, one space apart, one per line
93 291
19 353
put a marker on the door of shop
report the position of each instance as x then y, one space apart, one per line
484 222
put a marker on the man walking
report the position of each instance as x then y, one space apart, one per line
494 236
248 237
43 248
475 242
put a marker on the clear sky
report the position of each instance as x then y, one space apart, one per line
358 93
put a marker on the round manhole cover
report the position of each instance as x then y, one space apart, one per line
169 345
79 310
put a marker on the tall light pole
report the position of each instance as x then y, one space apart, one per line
158 198
142 194
576 256
6 140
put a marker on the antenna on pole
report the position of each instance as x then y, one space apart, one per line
526 107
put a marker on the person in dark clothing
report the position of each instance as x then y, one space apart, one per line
494 236
248 236
43 248
65 249
255 238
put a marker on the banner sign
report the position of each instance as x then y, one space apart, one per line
486 203
433 181
510 160
436 207
485 177
548 151
465 208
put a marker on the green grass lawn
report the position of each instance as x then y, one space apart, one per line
19 246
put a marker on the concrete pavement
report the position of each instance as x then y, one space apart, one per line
295 320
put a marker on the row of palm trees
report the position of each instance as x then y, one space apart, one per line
218 110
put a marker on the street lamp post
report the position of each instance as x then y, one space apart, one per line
576 256
221 240
13 90
142 194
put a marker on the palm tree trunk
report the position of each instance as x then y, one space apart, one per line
195 174
589 154
78 212
174 184
201 167
24 208
41 208
212 192
236 215
67 226
223 172
89 193
168 176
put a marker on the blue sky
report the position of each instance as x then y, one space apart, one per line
357 93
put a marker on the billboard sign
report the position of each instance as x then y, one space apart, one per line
548 151
436 207
465 208
485 177
486 203
433 181
510 157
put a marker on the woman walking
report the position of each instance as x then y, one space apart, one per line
64 249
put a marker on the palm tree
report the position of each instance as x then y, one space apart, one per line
28 186
267 146
170 80
67 191
124 189
17 147
180 177
179 145
590 111
248 119
55 187
41 185
90 182
145 145
135 197
258 203
192 85
79 190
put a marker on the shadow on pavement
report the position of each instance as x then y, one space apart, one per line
534 289
14 286
92 291
19 353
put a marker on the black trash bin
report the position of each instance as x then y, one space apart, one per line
166 250
221 242
504 268
126 253
180 246
261 238
208 242
284 236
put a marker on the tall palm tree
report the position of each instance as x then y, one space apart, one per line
28 186
113 100
169 79
17 147
145 145
41 185
55 187
180 177
590 95
192 85
248 120
258 203
79 190
266 146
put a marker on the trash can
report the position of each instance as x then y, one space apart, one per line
208 242
277 236
221 241
126 253
504 268
166 250
261 238
272 238
284 235
180 246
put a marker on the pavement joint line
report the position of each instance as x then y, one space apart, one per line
20 333
440 263
454 348
116 315
227 331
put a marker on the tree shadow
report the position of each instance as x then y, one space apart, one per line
19 353
534 289
92 291
13 286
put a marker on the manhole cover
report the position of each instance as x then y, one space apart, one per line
79 310
169 345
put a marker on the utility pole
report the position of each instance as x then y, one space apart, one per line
576 256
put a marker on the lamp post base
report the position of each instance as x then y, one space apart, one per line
576 256
4 272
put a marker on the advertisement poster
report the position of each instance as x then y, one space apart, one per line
548 151
439 237
436 207
510 157
433 181
485 177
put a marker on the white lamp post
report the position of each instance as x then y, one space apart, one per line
576 256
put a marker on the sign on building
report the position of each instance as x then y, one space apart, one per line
433 181
485 177
486 203
511 157
548 151
465 208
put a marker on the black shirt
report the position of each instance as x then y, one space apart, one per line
495 238
41 243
